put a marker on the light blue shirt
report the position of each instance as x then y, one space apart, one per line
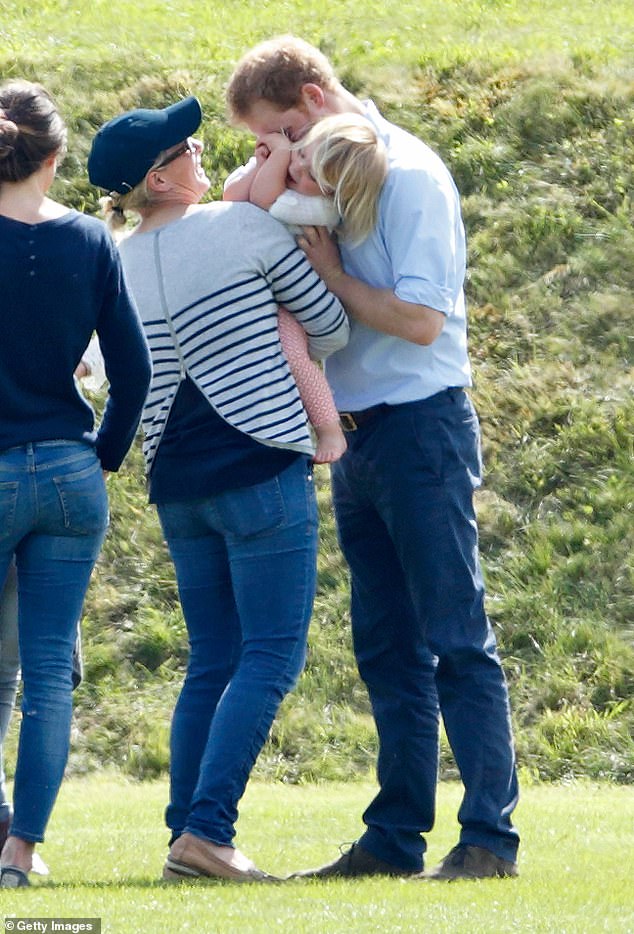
418 250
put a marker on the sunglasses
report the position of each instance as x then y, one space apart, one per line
187 146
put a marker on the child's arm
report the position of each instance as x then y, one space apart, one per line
237 186
270 180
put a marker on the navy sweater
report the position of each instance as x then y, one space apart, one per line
60 280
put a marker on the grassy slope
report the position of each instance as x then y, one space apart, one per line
535 116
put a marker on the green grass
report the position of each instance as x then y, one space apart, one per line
534 113
107 845
181 33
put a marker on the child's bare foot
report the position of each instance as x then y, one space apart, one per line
331 443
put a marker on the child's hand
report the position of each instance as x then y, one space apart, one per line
275 141
262 152
272 154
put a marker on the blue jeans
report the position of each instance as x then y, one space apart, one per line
53 517
9 670
403 496
245 564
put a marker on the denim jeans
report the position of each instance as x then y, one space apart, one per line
53 517
403 496
9 670
245 564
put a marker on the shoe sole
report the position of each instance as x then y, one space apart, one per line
180 875
440 877
371 873
174 871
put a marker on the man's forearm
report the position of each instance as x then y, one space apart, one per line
379 309
383 311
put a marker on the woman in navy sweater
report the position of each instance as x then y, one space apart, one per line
60 280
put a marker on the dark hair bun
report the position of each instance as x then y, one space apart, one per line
8 135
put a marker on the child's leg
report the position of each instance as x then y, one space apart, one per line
313 389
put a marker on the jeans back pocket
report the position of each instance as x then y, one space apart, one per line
83 499
252 510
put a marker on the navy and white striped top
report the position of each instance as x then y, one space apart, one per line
208 287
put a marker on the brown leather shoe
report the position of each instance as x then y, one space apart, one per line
354 862
471 862
191 857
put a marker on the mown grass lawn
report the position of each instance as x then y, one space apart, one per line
106 845
532 106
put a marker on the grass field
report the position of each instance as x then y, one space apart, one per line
532 107
190 32
107 845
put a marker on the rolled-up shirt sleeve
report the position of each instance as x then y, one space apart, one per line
422 230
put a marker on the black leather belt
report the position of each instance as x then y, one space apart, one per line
350 421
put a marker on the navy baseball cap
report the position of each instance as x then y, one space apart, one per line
125 148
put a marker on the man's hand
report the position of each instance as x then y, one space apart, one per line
379 309
322 252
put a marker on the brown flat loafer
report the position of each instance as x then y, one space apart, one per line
191 857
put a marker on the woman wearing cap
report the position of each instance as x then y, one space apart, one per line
228 454
60 280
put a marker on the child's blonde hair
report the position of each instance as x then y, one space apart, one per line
349 163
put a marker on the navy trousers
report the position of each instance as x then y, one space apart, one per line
403 496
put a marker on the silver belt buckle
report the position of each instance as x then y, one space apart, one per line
347 421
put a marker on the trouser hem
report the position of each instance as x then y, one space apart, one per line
503 851
376 844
